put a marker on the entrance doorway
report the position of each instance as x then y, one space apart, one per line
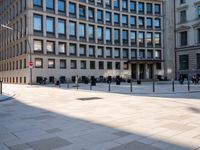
133 71
142 73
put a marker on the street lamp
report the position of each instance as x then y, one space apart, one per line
29 45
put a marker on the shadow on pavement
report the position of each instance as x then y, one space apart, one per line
29 125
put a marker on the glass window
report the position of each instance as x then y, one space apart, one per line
50 47
157 39
50 25
124 4
61 26
51 63
149 23
82 50
125 53
63 64
92 65
72 49
100 52
82 30
91 51
116 3
72 8
50 4
38 63
133 38
141 7
141 39
132 6
117 66
72 28
183 38
125 36
108 52
100 33
101 65
158 54
116 18
108 16
61 6
198 11
109 65
149 8
91 13
37 22
149 39
117 35
141 22
108 3
149 54
183 16
157 23
37 3
141 53
133 21
83 64
91 31
82 11
73 64
99 15
124 19
38 45
183 62
157 8
133 53
117 53
108 34
62 48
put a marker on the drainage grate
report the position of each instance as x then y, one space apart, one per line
89 98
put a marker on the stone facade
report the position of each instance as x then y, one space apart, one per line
130 56
187 38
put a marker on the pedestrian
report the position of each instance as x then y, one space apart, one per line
76 81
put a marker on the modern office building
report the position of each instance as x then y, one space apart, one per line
65 38
187 15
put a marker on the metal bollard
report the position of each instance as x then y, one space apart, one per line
90 85
188 84
153 85
173 87
109 86
131 86
1 87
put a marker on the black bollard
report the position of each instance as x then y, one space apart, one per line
173 87
153 85
1 88
131 86
188 84
109 86
90 85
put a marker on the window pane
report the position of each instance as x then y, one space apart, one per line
38 22
50 24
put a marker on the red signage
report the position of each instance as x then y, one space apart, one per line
30 64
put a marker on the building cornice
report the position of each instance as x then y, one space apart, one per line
183 28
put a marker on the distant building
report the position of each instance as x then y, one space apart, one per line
187 37
98 38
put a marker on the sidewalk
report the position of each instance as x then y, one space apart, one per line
5 97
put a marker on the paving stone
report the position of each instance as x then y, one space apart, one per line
20 147
178 127
122 133
135 146
41 117
49 144
54 130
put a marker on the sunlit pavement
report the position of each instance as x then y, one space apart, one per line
47 118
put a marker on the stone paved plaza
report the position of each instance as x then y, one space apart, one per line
52 118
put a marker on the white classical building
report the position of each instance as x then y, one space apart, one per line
187 15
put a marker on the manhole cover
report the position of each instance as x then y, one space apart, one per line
89 98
